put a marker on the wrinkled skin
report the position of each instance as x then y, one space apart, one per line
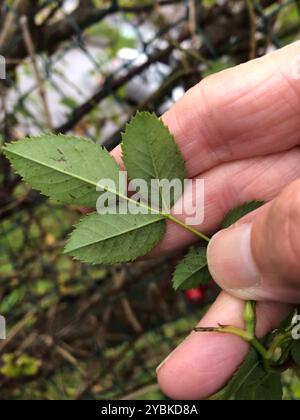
240 131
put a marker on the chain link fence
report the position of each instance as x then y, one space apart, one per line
85 67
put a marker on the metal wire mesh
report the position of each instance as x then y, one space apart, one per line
86 67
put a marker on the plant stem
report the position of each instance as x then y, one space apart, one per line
186 227
245 335
227 329
165 215
260 348
250 317
250 326
248 334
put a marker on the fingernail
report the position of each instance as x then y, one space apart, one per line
231 261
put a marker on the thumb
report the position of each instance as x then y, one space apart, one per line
261 260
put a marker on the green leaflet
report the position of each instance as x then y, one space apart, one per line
241 376
68 170
252 383
261 386
240 212
192 271
150 153
65 168
109 239
296 352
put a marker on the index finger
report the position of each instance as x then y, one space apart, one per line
204 363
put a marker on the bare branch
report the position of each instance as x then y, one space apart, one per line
111 85
8 23
40 83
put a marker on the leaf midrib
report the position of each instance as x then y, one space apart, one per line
49 166
84 180
239 386
117 193
157 175
196 270
117 234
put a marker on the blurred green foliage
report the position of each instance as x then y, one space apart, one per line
14 366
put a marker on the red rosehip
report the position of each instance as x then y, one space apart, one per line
196 295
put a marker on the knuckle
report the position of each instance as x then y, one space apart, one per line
293 224
288 212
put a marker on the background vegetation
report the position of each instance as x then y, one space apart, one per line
75 331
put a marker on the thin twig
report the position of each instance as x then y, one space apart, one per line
17 329
252 19
112 84
140 392
9 21
40 84
193 21
131 317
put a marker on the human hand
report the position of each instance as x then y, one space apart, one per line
239 130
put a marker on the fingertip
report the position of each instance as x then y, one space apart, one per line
201 366
204 363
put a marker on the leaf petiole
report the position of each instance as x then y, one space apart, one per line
248 334
226 329
186 227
